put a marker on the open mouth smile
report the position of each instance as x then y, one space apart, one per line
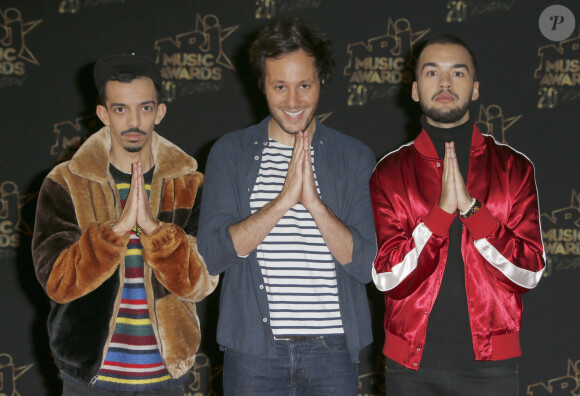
293 115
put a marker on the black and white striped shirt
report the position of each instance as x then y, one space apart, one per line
297 267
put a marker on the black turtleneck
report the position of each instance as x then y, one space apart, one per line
448 344
460 135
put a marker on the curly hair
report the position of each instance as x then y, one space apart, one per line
286 36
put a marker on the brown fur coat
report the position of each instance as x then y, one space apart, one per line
79 260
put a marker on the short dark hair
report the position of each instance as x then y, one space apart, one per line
125 68
288 35
449 39
124 77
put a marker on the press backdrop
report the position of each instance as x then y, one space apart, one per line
529 70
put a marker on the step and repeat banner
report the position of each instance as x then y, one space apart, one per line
529 70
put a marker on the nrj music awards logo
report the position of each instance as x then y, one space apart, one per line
74 6
202 377
561 234
377 68
559 70
492 121
14 53
267 9
11 223
373 383
70 135
324 116
194 61
558 73
9 374
566 385
459 10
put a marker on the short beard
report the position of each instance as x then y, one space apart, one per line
131 149
449 116
292 132
446 117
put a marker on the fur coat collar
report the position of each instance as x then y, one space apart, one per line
91 161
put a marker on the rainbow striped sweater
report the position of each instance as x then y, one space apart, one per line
132 361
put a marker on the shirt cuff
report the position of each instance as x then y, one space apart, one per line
481 223
439 221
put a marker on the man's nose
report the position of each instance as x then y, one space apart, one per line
293 98
134 119
444 82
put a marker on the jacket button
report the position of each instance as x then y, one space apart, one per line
256 157
265 320
255 142
438 165
261 287
426 312
414 364
418 349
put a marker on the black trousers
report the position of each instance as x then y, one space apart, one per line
492 381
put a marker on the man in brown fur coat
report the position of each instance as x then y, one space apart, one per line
114 246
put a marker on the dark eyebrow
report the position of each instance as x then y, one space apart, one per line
142 103
306 80
455 66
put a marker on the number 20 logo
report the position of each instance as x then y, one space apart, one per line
457 11
548 98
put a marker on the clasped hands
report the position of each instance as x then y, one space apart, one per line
136 210
299 185
454 194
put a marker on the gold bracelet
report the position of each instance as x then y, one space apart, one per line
156 230
139 231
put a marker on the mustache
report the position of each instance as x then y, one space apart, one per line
445 91
133 130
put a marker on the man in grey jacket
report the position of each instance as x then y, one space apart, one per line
286 215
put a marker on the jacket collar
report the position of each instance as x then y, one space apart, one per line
91 161
426 148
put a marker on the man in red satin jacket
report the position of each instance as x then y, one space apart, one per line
459 240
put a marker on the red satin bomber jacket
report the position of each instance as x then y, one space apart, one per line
501 245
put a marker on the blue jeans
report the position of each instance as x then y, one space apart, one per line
490 381
303 366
